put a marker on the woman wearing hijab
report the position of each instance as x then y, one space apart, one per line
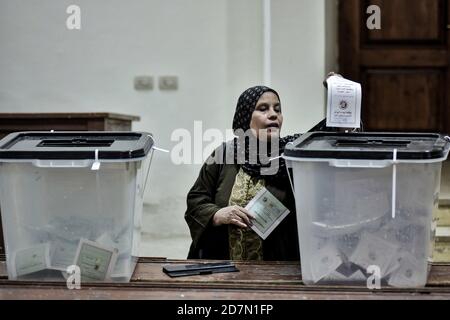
216 217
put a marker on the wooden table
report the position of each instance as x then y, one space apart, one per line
92 121
255 280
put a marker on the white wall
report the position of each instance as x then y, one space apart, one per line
331 35
244 49
45 67
214 47
298 61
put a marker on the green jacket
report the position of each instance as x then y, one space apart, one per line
210 193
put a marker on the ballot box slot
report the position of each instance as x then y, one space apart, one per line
75 143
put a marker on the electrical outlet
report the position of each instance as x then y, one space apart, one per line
143 83
168 83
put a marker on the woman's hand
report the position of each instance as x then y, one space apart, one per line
233 215
330 74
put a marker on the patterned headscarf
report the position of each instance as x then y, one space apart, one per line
242 117
246 105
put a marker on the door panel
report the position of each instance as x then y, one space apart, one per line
408 21
403 68
403 100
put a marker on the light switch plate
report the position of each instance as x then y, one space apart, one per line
168 83
143 83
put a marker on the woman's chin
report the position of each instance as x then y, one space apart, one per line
269 136
273 134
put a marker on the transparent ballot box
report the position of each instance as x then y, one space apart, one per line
73 199
365 204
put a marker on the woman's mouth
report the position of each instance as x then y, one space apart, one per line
273 127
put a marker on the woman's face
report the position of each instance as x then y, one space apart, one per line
267 118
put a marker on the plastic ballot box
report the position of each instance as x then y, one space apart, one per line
73 199
365 204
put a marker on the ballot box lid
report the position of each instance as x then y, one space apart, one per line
369 145
75 145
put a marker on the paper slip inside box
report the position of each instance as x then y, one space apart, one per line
411 272
343 103
62 254
324 262
373 250
29 260
268 212
96 262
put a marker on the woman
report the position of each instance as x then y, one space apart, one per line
216 217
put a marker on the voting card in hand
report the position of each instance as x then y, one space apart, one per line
268 212
96 262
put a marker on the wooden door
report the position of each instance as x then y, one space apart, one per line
402 67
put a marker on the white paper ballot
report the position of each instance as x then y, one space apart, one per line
62 253
30 260
268 212
343 103
324 262
96 262
411 273
373 250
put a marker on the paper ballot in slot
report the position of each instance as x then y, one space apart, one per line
343 103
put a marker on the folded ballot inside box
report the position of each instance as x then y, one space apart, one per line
96 262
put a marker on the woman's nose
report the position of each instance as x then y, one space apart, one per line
272 114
